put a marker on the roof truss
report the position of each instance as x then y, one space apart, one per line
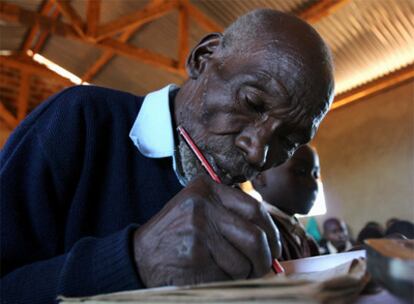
112 37
90 31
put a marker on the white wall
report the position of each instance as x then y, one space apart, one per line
367 158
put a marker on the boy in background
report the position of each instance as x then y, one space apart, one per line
336 237
290 189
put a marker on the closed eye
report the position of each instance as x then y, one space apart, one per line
253 99
255 104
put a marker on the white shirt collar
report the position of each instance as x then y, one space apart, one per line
332 248
152 131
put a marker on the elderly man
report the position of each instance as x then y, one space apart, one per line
84 211
289 189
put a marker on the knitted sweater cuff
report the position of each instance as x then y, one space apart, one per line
101 265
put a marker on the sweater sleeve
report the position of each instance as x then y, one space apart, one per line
35 265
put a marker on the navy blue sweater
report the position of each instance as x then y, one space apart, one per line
73 190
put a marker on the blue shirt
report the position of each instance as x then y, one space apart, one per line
152 132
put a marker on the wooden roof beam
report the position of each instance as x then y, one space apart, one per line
23 99
107 55
70 13
7 117
97 66
33 69
142 16
142 55
35 31
321 9
92 16
14 13
44 34
374 87
183 26
202 19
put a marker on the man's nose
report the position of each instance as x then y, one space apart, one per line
255 142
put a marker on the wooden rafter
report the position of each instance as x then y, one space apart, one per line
321 9
23 99
374 87
33 69
44 34
141 54
16 14
128 24
92 17
7 117
136 18
34 31
97 65
108 55
204 21
182 36
70 13
27 69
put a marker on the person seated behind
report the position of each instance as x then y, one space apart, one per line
336 237
391 221
288 189
400 228
100 194
371 230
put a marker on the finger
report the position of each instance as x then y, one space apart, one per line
208 271
246 237
250 209
228 258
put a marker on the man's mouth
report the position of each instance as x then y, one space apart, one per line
243 172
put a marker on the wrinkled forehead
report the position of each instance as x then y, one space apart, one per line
273 59
302 78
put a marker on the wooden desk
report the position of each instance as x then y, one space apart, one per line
324 262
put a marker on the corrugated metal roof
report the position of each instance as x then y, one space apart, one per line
369 38
12 35
226 11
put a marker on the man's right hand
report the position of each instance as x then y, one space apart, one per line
207 232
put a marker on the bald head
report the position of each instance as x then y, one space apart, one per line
292 39
255 93
270 26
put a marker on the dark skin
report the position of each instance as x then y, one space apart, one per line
235 108
336 232
292 186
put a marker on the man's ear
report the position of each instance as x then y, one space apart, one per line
199 55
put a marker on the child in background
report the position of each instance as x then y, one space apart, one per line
287 190
336 237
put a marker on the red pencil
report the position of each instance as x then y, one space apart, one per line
199 154
277 268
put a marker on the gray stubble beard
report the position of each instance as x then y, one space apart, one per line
187 163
